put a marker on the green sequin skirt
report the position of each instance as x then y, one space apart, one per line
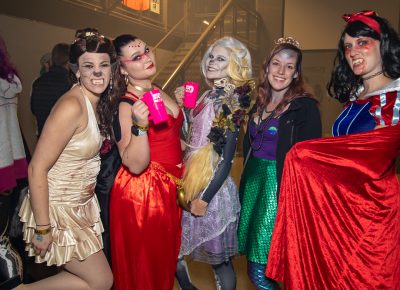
259 206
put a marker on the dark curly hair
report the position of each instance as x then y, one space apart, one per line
90 40
296 88
343 82
120 42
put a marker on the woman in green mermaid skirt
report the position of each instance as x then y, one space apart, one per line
284 114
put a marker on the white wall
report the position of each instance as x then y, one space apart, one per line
317 24
26 42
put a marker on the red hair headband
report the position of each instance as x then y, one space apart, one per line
364 17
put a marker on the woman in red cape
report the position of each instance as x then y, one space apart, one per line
338 221
145 220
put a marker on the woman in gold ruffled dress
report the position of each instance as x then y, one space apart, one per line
60 214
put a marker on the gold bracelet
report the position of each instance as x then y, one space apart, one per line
141 128
43 232
43 225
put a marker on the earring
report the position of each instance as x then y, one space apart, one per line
111 84
126 80
79 81
110 87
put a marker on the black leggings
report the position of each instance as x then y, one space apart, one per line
225 277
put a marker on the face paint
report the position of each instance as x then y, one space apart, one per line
137 44
138 57
363 55
94 71
138 60
217 63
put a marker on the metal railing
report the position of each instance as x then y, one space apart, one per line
233 19
170 32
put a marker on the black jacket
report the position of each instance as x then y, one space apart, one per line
46 90
301 121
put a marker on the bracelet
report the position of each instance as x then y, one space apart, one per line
42 232
42 225
142 128
141 132
137 131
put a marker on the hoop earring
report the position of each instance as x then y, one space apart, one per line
126 80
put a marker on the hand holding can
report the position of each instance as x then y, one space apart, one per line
156 106
190 94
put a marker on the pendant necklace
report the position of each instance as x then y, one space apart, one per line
260 128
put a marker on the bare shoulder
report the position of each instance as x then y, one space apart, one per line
69 108
166 97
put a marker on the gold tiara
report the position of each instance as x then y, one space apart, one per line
288 40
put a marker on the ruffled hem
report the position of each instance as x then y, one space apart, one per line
221 217
76 231
189 248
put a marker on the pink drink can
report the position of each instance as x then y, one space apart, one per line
156 106
190 95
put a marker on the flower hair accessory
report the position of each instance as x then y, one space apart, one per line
364 17
288 40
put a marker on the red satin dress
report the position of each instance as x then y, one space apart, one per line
338 221
145 220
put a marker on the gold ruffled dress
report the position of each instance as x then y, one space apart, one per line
74 209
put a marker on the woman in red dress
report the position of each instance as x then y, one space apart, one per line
145 220
338 222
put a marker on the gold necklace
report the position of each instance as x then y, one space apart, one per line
142 89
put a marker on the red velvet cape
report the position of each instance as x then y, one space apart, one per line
338 221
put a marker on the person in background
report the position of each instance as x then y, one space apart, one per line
339 206
13 163
283 115
145 220
61 215
51 85
209 230
45 63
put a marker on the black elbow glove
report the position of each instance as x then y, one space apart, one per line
223 167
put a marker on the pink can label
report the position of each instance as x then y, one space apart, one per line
156 106
190 96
